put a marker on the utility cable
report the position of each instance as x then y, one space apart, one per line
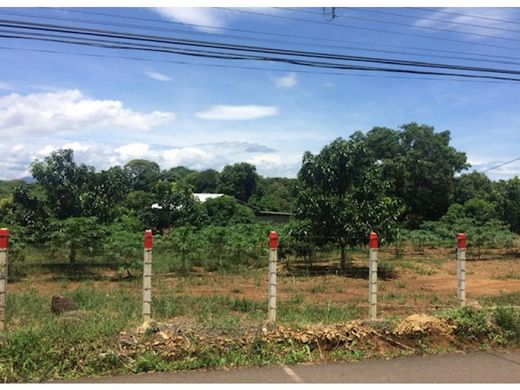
235 47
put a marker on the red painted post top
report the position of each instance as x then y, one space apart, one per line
148 237
4 238
461 240
373 240
273 240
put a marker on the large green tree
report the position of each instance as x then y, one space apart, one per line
509 202
238 180
144 174
105 194
420 165
342 195
63 182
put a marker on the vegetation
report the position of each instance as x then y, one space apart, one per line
406 184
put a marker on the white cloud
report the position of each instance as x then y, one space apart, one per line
76 146
158 76
70 111
237 113
201 16
288 81
479 25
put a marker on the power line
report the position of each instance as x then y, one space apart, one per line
220 55
458 52
501 165
249 67
257 49
373 11
370 29
466 15
257 39
406 25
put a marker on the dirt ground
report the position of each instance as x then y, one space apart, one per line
414 281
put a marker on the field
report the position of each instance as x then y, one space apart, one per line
41 345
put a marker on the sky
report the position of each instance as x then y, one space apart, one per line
111 106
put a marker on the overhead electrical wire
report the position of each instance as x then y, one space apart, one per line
246 48
305 37
339 15
104 23
370 29
458 23
443 11
251 67
501 165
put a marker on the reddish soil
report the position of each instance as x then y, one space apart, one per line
426 280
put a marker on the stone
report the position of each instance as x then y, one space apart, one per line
60 304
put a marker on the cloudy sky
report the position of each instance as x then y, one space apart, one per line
112 106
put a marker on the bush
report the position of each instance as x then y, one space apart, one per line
471 323
508 320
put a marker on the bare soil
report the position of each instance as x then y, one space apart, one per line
415 281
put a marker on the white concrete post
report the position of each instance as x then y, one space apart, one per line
372 277
271 293
461 268
147 276
4 245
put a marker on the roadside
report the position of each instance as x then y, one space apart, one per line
479 367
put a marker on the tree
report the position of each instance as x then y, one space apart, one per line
420 166
177 206
105 193
274 194
238 180
509 202
28 211
143 174
226 211
63 182
473 185
341 192
176 173
77 233
205 181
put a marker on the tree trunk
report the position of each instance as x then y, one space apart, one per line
343 261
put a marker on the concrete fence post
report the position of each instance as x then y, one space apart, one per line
271 293
461 268
4 246
372 277
147 275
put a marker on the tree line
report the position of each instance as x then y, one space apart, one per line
408 180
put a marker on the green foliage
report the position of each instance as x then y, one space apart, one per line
473 185
297 239
509 202
77 234
238 180
508 319
143 174
274 194
471 323
124 247
202 182
225 211
341 192
420 166
63 182
177 206
105 193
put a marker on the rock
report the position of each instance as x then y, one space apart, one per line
60 304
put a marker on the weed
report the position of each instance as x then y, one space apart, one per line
470 322
508 320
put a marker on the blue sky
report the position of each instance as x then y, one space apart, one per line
111 109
